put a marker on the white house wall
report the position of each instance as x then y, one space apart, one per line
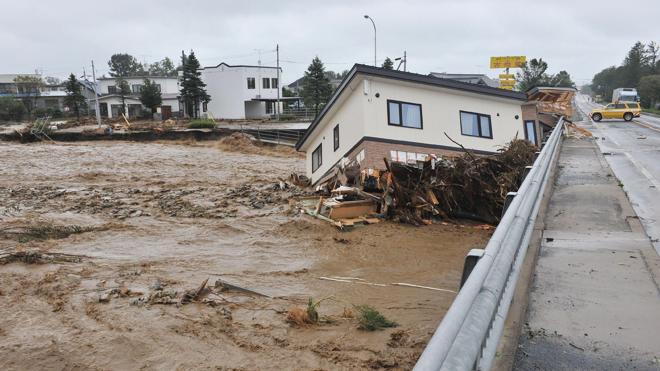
361 114
227 87
351 129
441 114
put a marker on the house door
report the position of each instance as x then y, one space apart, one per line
166 112
103 108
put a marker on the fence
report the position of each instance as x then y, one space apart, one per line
287 137
470 331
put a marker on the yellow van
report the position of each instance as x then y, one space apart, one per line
621 110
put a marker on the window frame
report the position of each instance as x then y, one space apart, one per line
479 116
274 83
533 128
318 149
265 82
400 124
253 82
335 137
112 89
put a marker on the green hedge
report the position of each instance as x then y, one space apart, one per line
201 124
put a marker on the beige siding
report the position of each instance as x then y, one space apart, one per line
361 113
440 114
350 117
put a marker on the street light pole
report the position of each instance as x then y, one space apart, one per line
374 24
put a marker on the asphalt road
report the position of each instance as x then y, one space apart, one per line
632 150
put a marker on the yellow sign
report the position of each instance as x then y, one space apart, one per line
506 76
507 82
506 87
507 62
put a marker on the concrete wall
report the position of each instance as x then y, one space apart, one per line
229 91
363 113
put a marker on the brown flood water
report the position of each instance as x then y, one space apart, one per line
179 213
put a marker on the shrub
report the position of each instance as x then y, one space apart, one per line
201 124
11 109
370 319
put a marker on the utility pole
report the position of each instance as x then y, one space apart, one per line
96 97
277 108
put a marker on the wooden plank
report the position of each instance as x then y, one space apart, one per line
351 211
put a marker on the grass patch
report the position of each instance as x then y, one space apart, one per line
651 110
202 124
370 319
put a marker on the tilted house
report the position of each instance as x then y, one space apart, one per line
377 113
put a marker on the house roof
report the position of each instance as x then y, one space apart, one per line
8 78
474 78
137 77
361 69
239 65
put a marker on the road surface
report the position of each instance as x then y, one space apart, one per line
632 150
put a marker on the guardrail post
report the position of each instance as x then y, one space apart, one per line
471 260
507 200
526 171
536 155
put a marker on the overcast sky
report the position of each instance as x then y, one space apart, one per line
582 37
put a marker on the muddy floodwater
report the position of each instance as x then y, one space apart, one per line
123 229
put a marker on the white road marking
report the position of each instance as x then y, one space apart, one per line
643 170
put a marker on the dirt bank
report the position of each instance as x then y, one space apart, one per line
149 220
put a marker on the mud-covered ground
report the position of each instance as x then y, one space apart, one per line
131 226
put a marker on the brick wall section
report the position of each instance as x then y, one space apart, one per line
376 151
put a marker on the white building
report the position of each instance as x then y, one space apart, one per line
377 113
241 92
110 102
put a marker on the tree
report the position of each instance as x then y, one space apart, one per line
74 98
124 65
11 109
635 65
653 58
164 67
316 89
388 64
562 79
29 88
532 74
192 86
150 95
123 90
649 90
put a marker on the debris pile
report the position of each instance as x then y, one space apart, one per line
464 187
468 186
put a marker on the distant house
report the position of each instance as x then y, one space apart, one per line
472 78
377 113
49 97
110 102
241 91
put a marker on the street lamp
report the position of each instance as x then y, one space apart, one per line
374 24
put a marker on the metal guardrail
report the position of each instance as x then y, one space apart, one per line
287 137
470 331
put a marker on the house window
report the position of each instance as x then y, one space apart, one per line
335 136
273 82
205 106
476 125
136 89
530 133
250 82
158 87
265 83
317 158
404 114
112 89
269 108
